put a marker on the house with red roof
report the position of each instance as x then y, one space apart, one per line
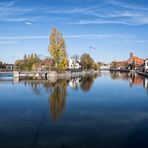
46 64
135 60
132 63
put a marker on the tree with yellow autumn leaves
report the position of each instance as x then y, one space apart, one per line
57 50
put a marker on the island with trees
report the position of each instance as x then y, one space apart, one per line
57 63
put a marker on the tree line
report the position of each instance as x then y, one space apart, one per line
28 63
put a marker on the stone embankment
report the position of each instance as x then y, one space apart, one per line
51 75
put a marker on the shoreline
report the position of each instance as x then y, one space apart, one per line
1 72
51 75
142 73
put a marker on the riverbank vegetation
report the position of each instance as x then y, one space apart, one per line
88 62
28 63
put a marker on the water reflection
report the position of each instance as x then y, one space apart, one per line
75 83
132 78
86 83
107 111
57 99
58 93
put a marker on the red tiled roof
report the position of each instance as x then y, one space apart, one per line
137 60
121 63
47 62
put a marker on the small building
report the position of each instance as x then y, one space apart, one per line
10 67
119 65
104 66
146 65
46 64
74 64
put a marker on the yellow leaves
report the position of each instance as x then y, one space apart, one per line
29 63
63 64
57 50
34 66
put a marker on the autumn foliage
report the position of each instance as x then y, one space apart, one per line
57 50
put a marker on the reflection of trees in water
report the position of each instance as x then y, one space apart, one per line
48 85
38 86
87 83
113 75
58 92
57 99
118 75
84 83
35 86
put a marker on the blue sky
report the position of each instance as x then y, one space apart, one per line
113 27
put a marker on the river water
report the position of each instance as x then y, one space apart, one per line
109 110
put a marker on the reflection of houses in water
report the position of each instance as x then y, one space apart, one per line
132 78
145 83
75 82
135 79
85 83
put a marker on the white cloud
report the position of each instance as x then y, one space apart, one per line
123 4
28 23
8 42
9 12
80 36
23 37
112 38
107 12
90 36
130 21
